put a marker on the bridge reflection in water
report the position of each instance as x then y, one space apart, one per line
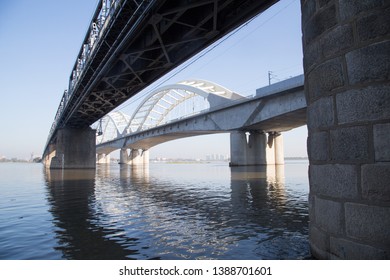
80 232
136 213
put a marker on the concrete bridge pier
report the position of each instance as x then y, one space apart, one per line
256 148
135 157
275 148
75 148
346 46
123 156
103 159
49 155
238 147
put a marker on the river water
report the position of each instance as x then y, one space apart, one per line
165 211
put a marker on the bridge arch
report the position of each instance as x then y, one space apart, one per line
157 105
112 126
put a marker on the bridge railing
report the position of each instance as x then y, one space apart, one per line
58 114
99 22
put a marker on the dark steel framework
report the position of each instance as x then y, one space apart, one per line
141 41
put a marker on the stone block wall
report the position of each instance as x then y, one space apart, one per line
346 47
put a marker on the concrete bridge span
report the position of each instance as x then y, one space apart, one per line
274 109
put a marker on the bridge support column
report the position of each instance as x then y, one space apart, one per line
145 157
136 157
103 159
346 63
75 149
49 156
124 157
279 148
275 148
255 149
238 147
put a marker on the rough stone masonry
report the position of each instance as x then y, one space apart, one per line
346 47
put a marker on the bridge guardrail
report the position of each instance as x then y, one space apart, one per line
99 22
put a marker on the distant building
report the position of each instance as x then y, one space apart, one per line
217 157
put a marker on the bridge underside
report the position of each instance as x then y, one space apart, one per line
255 137
269 112
282 123
137 49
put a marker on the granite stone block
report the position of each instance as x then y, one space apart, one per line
337 40
329 216
349 144
325 78
376 182
351 8
318 146
374 25
369 223
334 180
382 141
321 114
320 23
346 249
366 104
369 64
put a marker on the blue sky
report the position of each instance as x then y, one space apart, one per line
39 42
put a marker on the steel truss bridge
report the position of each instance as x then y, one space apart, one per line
132 43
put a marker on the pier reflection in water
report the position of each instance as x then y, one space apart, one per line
178 211
79 231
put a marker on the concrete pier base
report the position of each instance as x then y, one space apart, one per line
49 156
75 148
238 147
136 157
275 148
103 159
255 148
279 148
123 156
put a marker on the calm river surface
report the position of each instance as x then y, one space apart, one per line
167 211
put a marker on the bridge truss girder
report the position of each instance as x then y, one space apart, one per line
143 42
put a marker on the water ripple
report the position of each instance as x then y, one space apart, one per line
171 211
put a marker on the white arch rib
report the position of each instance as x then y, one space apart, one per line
113 126
169 96
159 103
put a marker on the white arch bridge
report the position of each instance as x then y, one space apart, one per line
198 107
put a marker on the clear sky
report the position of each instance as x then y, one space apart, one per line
39 42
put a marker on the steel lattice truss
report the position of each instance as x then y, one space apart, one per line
132 43
164 105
